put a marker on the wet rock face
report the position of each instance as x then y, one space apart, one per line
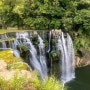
82 58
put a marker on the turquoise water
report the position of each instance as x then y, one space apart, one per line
82 80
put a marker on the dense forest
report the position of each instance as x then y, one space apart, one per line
72 16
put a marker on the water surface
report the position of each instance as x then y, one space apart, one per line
82 80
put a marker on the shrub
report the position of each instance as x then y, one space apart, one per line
22 83
14 84
50 84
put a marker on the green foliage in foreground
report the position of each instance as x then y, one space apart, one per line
50 84
22 83
14 84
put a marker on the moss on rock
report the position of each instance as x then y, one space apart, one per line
10 59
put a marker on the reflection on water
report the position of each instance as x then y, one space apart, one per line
82 80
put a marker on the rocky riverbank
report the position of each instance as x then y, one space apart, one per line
82 58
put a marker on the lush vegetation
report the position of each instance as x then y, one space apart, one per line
14 84
4 31
22 83
72 16
12 61
44 14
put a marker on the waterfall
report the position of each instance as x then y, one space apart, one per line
13 45
22 35
35 63
33 57
49 41
4 45
4 36
71 55
42 57
15 50
38 61
65 46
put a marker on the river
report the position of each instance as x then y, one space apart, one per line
82 80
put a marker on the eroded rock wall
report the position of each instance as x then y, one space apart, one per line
82 58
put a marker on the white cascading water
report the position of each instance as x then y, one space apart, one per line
65 46
42 57
15 50
13 45
33 53
33 59
22 35
71 55
49 41
4 36
4 45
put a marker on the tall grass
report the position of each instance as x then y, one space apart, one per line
22 83
50 83
14 84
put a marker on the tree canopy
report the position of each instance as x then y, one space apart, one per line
46 14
